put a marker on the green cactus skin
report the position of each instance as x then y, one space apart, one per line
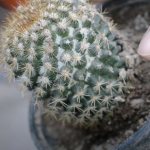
69 56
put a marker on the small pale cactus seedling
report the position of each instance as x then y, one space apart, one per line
68 55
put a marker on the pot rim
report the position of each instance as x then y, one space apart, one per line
117 4
137 138
36 128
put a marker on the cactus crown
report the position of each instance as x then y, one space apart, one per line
69 55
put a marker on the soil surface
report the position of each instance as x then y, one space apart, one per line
133 22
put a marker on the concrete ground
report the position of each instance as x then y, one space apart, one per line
14 125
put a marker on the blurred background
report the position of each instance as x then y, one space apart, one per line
14 125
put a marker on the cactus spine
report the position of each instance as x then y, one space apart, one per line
69 55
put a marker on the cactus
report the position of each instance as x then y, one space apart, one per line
69 55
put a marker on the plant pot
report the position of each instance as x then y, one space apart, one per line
48 139
139 141
117 4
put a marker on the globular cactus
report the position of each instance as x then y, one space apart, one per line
68 55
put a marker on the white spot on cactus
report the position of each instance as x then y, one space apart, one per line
34 36
88 110
65 74
119 99
73 16
84 31
45 58
53 15
39 92
43 23
60 87
79 95
75 106
47 67
123 74
31 54
54 28
60 53
21 46
35 27
94 99
67 58
63 24
44 81
48 48
29 70
99 86
111 69
58 100
45 14
30 58
112 87
71 31
77 58
46 33
107 101
67 42
89 60
58 39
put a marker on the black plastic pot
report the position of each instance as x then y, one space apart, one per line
36 127
139 141
117 4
